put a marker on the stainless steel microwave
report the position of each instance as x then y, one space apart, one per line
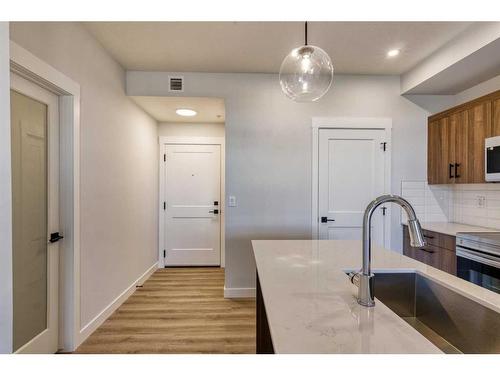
492 159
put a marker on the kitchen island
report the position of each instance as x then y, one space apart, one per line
306 303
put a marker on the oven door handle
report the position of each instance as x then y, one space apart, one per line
478 258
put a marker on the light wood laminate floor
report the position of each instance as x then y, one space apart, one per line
178 310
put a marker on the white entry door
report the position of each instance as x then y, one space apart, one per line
351 174
192 205
35 215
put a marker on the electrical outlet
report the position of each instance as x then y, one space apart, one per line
232 201
480 201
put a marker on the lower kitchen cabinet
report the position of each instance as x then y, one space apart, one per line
439 251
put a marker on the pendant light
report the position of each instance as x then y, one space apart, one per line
306 73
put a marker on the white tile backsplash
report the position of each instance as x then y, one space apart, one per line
473 204
431 203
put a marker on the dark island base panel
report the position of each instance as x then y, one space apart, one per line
264 341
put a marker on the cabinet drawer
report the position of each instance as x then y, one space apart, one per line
430 254
431 238
436 239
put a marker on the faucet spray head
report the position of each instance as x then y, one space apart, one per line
416 234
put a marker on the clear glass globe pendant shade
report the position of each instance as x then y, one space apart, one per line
306 74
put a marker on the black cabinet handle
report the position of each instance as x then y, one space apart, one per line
456 170
429 237
324 219
451 166
427 250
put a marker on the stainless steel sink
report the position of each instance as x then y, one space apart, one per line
452 322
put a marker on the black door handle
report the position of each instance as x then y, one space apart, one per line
450 170
324 219
456 170
214 212
54 237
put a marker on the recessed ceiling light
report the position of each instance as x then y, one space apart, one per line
393 53
185 112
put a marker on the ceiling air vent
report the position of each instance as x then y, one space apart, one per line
176 84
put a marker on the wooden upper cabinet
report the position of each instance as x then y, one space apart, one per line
495 125
479 124
459 159
433 152
456 141
440 151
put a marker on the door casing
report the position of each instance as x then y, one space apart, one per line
348 123
166 140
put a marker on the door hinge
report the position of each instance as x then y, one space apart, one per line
164 205
164 157
383 210
164 253
384 146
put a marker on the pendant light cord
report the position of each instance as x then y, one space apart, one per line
305 33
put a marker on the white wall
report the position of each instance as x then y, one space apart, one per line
268 154
438 103
458 49
119 166
5 197
474 92
433 103
187 129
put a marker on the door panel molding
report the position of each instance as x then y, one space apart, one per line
354 123
179 140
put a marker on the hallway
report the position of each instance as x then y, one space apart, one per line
178 310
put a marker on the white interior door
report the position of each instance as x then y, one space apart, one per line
351 174
35 214
192 217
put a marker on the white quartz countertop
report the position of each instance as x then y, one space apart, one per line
311 307
453 228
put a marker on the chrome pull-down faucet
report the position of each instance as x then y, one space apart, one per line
364 279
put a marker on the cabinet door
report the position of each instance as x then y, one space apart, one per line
495 126
440 152
460 127
448 261
479 126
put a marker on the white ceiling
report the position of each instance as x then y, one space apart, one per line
355 47
163 108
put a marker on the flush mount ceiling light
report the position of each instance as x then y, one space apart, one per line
393 53
306 73
185 112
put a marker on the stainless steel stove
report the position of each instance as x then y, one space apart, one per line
478 258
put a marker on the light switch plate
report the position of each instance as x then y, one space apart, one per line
480 201
232 201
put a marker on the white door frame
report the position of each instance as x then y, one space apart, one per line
173 140
30 67
349 123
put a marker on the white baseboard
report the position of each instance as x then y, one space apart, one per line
239 292
90 327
